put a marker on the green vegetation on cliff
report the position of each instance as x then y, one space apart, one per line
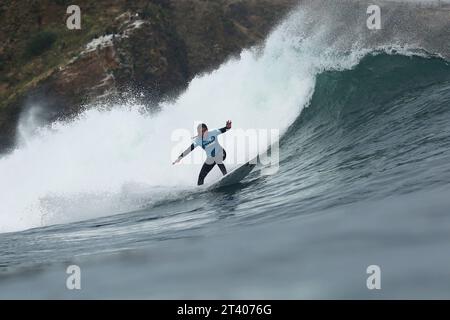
154 46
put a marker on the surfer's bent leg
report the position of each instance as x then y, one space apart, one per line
207 167
221 165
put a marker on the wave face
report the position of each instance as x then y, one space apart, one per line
375 125
114 159
373 132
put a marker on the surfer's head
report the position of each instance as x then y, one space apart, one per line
201 129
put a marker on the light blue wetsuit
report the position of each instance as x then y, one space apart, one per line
214 152
209 143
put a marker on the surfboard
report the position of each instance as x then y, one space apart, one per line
234 176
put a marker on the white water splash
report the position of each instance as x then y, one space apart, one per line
113 160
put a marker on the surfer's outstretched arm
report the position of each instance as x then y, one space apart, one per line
226 128
185 153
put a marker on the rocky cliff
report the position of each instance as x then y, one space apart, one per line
149 48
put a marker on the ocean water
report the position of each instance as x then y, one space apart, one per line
363 177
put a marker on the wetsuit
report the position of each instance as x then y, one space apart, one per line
215 154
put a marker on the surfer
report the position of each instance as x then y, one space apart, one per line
215 154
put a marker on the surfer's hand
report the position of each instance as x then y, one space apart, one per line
228 124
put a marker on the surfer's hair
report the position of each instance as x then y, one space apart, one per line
202 126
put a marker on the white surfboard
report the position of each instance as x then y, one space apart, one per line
235 176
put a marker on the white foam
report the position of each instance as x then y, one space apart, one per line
84 168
